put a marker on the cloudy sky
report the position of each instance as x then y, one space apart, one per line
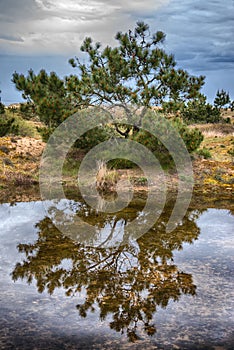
46 33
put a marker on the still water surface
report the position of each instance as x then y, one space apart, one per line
163 291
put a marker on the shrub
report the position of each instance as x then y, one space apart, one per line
119 163
45 132
2 108
93 137
204 152
191 137
199 111
7 126
25 128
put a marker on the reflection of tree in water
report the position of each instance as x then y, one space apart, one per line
127 282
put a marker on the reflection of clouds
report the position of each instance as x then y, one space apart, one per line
214 248
17 224
210 235
66 212
21 214
112 233
91 227
68 208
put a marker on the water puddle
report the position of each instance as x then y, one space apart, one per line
161 291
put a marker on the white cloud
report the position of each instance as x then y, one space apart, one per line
98 6
73 8
56 24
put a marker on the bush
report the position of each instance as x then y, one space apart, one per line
7 126
199 111
204 152
16 126
119 163
191 137
2 108
25 128
45 132
93 137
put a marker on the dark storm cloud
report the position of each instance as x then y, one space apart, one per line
193 28
199 33
222 59
54 26
10 37
14 9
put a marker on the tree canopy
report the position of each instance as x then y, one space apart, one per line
46 96
131 77
222 99
137 72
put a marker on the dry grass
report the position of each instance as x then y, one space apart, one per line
105 179
218 140
19 179
212 130
19 160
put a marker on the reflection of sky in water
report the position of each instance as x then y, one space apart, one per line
68 216
21 217
214 249
17 225
208 316
218 224
11 216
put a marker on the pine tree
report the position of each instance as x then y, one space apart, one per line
46 96
222 99
134 75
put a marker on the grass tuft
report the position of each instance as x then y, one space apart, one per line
105 179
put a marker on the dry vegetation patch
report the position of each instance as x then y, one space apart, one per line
20 159
218 140
106 179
